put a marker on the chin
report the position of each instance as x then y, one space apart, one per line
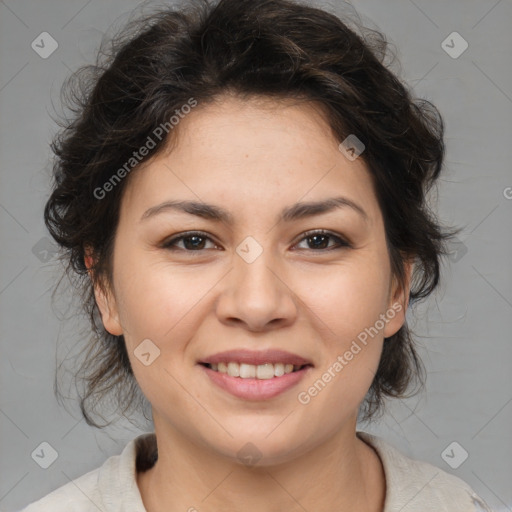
261 449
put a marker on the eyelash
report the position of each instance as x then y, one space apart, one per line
170 244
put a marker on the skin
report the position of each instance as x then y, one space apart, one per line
253 158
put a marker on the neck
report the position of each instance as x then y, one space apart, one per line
344 471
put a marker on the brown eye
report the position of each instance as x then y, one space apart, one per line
320 240
192 242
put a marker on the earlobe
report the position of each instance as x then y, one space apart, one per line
108 311
104 299
89 261
398 301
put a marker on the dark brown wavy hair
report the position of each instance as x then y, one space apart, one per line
272 48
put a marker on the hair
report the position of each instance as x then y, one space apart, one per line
276 49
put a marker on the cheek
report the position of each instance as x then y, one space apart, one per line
352 346
161 303
347 299
348 303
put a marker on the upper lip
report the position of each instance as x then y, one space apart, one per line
256 357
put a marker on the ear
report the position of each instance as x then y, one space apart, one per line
104 298
398 301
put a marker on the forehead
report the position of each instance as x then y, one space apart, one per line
252 152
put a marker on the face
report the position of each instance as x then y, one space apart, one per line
313 283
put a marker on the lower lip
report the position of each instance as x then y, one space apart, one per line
256 389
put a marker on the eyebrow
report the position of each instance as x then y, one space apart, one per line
288 214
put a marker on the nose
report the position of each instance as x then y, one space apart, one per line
257 295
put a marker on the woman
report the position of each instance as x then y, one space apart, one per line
243 193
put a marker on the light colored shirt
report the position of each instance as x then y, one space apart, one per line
411 485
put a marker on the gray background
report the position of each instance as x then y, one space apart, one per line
464 329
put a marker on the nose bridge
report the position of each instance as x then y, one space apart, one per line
256 293
255 267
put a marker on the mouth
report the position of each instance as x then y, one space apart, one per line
259 375
250 371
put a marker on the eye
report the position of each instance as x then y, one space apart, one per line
319 238
193 241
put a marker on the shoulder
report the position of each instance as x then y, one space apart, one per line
103 489
417 486
79 495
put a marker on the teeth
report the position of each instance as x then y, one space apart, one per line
233 369
265 371
279 369
251 371
247 371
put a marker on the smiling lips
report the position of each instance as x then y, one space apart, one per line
251 371
263 364
255 375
